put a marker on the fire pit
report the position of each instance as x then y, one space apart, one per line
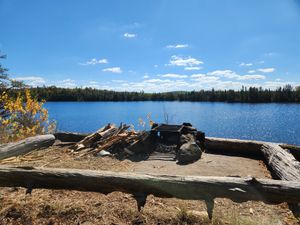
183 141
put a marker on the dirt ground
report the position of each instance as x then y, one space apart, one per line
209 165
73 207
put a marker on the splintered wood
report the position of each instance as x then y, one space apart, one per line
108 140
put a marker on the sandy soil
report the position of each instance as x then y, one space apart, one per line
73 207
208 165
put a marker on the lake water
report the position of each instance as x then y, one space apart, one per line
268 122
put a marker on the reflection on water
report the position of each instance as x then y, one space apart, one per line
269 122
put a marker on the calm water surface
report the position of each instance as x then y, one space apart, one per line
268 122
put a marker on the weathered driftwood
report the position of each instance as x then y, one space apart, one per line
294 150
283 165
184 187
234 146
26 145
247 148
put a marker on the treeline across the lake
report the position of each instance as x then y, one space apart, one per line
247 95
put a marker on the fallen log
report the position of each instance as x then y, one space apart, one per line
26 145
295 150
184 187
284 166
234 146
282 163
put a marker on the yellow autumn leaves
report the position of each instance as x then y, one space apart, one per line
23 116
143 123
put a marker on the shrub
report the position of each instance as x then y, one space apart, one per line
24 117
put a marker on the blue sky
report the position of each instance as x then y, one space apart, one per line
152 45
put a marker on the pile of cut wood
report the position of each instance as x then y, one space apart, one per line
109 140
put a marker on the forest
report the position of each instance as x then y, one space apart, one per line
286 94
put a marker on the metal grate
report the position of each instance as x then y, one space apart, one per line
168 128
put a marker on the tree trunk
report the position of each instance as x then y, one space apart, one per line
26 145
233 146
183 187
283 165
294 150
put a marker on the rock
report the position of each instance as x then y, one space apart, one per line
198 213
104 153
186 138
251 210
188 152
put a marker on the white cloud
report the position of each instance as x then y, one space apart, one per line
164 85
233 75
218 79
155 85
119 81
184 61
270 54
199 75
102 61
94 62
275 84
32 80
224 73
197 82
205 79
66 83
266 70
251 77
246 64
173 75
251 71
178 46
193 68
157 81
113 70
129 35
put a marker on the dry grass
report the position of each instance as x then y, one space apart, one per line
73 207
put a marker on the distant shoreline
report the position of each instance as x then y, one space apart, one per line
286 94
290 103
